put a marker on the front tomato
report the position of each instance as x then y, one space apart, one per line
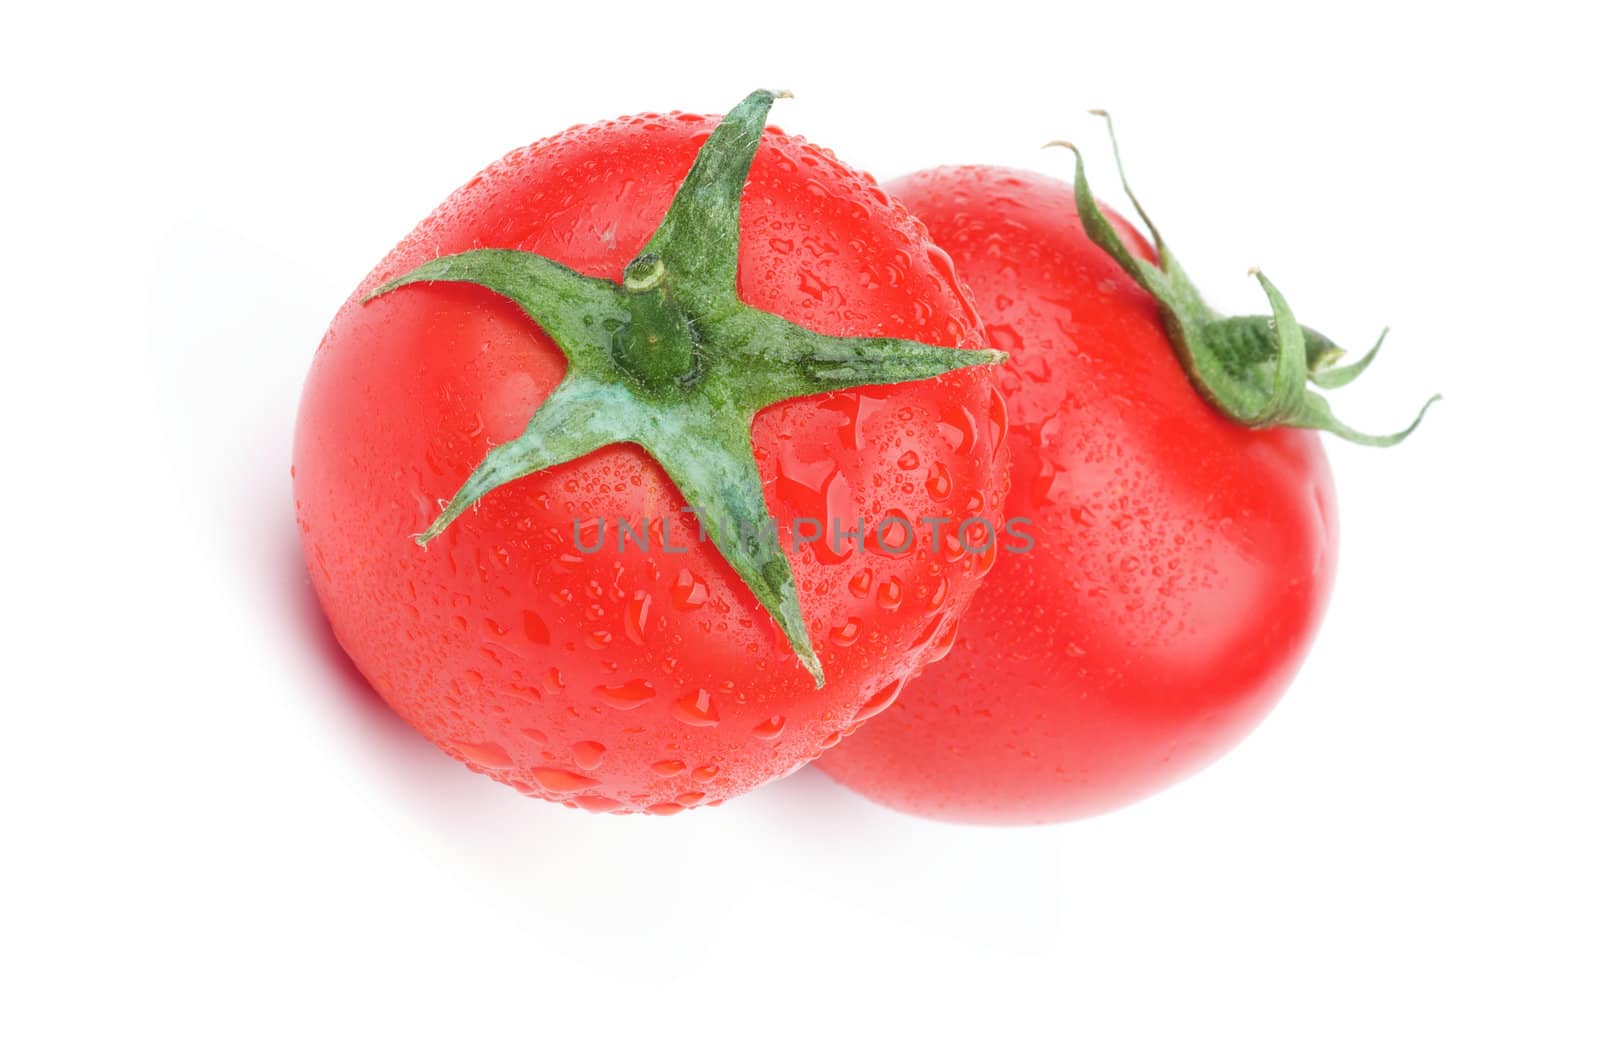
537 638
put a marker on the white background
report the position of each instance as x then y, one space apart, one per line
219 843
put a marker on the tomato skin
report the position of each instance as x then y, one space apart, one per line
1181 566
633 680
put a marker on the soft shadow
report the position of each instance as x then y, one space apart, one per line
406 756
812 805
230 420
431 783
315 635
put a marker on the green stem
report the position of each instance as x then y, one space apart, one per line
1257 370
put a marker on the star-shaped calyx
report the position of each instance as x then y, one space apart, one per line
1257 370
671 360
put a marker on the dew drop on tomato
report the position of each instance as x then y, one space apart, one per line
628 695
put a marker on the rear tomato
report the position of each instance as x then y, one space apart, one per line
1181 561
639 680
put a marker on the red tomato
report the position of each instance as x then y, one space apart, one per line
636 680
1181 562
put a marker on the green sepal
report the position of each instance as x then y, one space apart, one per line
722 484
672 361
1257 370
698 240
768 359
1335 376
580 416
581 314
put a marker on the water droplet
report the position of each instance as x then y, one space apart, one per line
534 629
908 460
664 809
487 755
561 781
690 798
959 429
626 696
879 701
856 409
889 594
688 591
596 803
636 616
847 634
999 418
938 482
588 753
705 773
892 536
669 767
817 491
942 646
813 286
696 709
770 729
1005 337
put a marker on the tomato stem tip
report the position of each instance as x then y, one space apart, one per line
1257 370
